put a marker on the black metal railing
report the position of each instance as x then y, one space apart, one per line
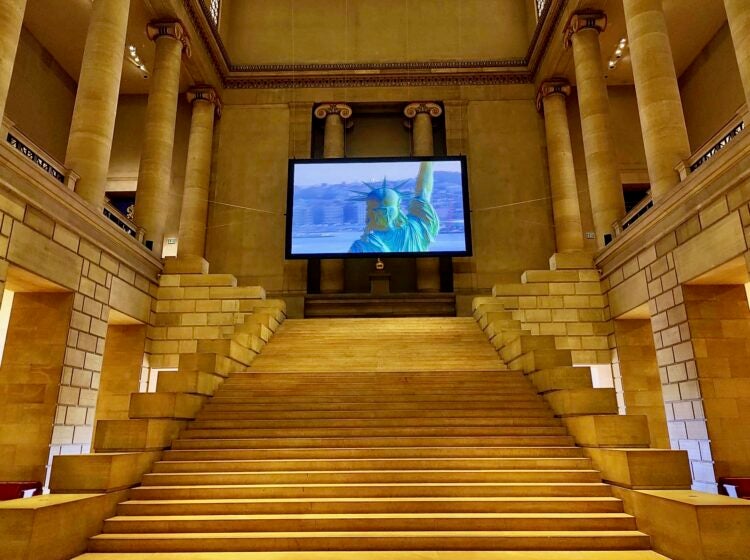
720 145
122 222
540 5
36 158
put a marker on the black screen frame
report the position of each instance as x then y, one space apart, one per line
289 214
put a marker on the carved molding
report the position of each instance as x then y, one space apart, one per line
323 110
205 93
169 28
432 109
553 86
579 21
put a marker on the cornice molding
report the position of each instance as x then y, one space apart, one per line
381 74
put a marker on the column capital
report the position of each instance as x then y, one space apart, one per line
590 19
169 28
432 109
333 108
553 86
205 93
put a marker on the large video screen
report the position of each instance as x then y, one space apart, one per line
378 207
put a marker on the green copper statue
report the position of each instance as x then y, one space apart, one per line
388 229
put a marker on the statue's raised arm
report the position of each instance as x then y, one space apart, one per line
423 189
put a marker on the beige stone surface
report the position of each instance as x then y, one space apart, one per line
261 33
643 468
609 430
691 525
181 406
10 33
580 402
40 527
710 248
30 378
100 472
136 435
33 251
121 370
130 300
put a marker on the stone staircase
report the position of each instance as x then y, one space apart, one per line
353 435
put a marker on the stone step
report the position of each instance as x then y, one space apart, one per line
285 442
457 451
367 523
373 423
354 406
385 555
494 412
371 505
392 431
371 464
373 490
395 540
370 477
498 397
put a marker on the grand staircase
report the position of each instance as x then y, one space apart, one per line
381 435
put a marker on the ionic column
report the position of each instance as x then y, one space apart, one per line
420 117
206 105
93 124
11 19
605 188
155 172
665 136
336 117
565 208
738 17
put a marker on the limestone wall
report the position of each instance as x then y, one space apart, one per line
498 128
710 88
41 97
360 31
47 233
697 235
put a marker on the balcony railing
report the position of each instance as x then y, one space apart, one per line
631 217
59 173
724 137
729 132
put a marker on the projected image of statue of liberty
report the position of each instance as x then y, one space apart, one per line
388 229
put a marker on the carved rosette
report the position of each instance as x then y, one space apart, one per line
205 93
583 20
170 28
553 86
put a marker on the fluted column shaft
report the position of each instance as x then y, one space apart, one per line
665 136
738 17
11 20
155 173
605 188
336 117
565 206
194 212
93 124
421 115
